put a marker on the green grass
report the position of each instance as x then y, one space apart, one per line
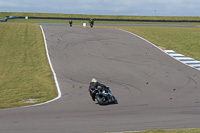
24 70
170 131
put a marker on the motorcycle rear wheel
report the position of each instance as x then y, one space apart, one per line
102 101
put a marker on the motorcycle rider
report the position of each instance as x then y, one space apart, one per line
94 84
70 23
91 22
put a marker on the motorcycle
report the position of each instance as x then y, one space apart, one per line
104 96
70 23
91 25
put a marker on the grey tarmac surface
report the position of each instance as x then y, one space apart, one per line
154 90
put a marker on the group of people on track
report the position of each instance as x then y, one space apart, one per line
91 21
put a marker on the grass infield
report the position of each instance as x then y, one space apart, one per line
25 75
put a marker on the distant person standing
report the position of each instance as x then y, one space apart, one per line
91 22
70 23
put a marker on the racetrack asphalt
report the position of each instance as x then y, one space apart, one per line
154 91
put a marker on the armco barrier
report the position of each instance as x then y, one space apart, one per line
96 19
7 18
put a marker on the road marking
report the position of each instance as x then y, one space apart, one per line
52 69
184 59
181 58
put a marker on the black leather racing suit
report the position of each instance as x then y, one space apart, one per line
70 23
92 87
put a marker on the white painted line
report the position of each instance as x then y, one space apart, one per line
180 58
52 69
54 75
141 38
170 53
175 54
195 65
191 62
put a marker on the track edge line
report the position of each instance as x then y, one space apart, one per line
156 47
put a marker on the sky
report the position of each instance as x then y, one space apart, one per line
105 7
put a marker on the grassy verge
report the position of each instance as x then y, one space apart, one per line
171 131
24 70
182 40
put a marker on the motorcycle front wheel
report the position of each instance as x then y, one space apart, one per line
115 100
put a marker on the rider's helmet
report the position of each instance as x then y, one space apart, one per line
94 80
